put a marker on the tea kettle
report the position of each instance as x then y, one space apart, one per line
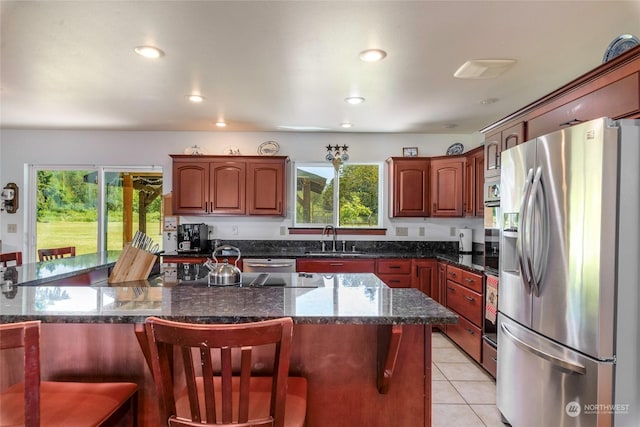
224 274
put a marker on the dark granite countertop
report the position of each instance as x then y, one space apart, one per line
308 298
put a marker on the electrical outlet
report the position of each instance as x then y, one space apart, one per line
421 231
12 228
452 231
234 229
402 231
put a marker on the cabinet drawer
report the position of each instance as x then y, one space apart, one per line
467 336
335 266
472 281
465 302
489 358
454 273
396 280
394 266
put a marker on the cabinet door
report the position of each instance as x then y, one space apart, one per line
227 188
265 187
426 278
409 190
492 148
512 136
470 188
479 190
190 187
314 265
446 187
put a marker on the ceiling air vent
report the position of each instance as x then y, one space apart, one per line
483 68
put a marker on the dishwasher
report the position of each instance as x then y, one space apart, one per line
269 265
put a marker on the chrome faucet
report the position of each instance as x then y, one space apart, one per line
324 233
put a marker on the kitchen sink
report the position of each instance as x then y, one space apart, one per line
330 254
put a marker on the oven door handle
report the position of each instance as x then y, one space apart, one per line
492 203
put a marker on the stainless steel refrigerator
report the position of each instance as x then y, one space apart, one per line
568 323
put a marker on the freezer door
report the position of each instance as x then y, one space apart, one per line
540 383
572 225
515 183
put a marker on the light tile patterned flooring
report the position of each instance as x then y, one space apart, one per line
463 393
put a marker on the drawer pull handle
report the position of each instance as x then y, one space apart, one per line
495 359
470 299
336 264
470 331
451 289
394 266
394 281
469 280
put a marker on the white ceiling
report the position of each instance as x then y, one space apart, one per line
278 65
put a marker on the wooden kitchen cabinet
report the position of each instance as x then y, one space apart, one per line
335 265
229 185
498 141
474 183
447 186
618 99
394 272
464 296
425 278
408 187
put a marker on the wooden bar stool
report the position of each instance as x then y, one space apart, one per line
35 403
218 388
9 259
56 253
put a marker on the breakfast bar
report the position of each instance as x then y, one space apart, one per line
364 348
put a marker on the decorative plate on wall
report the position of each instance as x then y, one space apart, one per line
454 149
268 148
620 45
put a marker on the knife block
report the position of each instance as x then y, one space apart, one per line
133 264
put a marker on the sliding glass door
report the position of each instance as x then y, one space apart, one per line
92 208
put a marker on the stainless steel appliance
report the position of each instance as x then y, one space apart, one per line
568 323
491 270
269 265
193 238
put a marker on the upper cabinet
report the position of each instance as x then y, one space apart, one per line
498 141
610 90
447 186
408 187
474 183
229 185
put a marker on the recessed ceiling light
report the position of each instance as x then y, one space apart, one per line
346 125
148 51
195 98
354 100
221 123
483 68
373 55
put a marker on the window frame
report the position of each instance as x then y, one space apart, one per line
336 195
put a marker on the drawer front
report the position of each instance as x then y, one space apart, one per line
396 280
394 266
472 281
454 273
335 266
489 358
465 302
467 336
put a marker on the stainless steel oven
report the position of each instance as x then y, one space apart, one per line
492 225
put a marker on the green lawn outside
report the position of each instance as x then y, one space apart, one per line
82 235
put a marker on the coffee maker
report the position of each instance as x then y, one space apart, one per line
193 238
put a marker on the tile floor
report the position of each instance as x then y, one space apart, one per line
464 394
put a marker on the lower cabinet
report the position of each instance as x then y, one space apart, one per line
489 358
395 273
335 265
463 295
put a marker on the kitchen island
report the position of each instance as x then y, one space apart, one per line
364 348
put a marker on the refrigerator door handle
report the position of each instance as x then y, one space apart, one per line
569 366
522 232
537 253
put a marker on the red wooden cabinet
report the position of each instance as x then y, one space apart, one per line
394 272
498 141
229 185
425 278
474 183
408 187
447 186
335 265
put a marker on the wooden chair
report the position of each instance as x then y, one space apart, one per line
56 253
220 396
34 403
15 258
